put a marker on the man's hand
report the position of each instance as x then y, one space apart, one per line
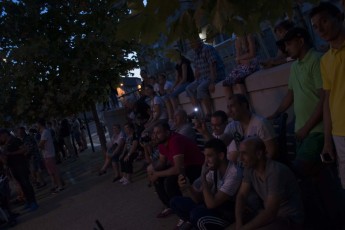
149 168
328 148
153 176
205 169
301 134
183 182
126 158
200 126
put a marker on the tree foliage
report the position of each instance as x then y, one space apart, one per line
183 19
58 57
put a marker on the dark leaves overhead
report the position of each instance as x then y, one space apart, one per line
57 57
178 19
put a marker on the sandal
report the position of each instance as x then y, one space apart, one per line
166 212
101 172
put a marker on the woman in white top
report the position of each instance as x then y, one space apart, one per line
114 150
158 110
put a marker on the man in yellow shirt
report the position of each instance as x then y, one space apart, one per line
327 21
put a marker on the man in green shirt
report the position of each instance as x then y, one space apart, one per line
305 92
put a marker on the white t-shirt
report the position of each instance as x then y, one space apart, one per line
227 184
258 126
157 100
48 151
115 139
167 86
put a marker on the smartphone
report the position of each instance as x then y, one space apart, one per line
326 158
196 113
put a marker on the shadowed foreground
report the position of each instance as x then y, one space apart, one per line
89 197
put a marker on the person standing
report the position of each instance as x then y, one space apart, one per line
34 157
306 94
327 21
46 144
15 151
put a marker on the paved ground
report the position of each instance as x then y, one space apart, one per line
89 197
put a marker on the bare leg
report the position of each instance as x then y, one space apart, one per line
147 151
39 177
174 103
228 92
106 163
169 109
208 106
57 180
116 169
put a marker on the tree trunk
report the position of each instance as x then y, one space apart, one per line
100 129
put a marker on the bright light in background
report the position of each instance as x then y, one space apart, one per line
135 72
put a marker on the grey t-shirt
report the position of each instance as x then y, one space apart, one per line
281 182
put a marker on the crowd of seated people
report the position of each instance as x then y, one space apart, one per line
236 180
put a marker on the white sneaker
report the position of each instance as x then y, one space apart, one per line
179 223
122 180
126 182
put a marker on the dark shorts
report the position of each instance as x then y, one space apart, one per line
310 148
115 158
35 163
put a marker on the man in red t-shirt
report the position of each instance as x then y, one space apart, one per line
177 155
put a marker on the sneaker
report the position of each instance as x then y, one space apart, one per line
166 212
57 190
101 172
185 226
179 223
126 182
122 180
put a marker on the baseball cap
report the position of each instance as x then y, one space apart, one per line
296 32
